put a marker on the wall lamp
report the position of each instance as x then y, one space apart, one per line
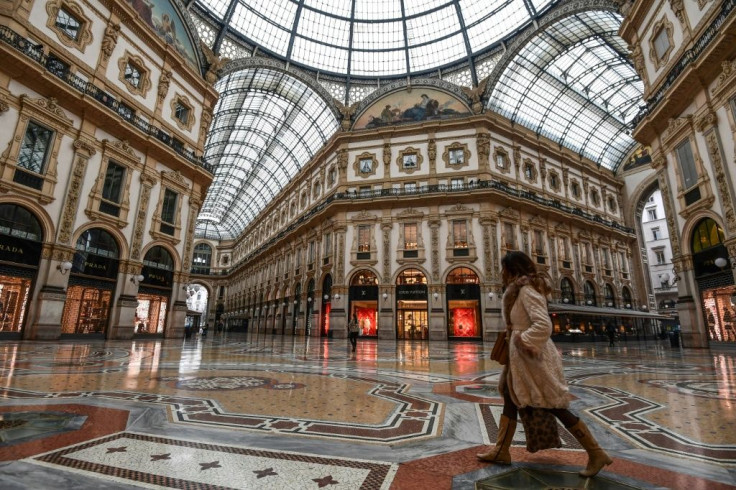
337 296
326 297
435 296
490 295
385 296
64 267
137 279
309 299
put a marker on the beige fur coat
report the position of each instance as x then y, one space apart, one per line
534 373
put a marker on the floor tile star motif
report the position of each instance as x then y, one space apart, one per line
177 463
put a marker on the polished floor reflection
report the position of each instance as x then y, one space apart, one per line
252 412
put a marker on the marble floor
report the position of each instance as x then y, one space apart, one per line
273 412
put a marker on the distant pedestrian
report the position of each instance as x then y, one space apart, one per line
353 330
611 332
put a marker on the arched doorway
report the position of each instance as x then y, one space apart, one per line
363 301
21 241
463 304
91 284
154 292
713 274
411 305
197 306
324 324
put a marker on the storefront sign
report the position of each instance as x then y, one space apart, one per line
463 291
361 293
412 292
95 265
157 277
19 250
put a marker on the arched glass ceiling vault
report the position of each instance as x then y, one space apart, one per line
373 38
267 126
574 84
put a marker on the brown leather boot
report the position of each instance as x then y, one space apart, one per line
500 452
597 457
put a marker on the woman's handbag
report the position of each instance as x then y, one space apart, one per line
500 352
540 428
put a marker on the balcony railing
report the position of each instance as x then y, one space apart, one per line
427 190
33 51
688 57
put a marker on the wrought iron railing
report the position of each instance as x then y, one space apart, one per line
493 185
34 52
687 57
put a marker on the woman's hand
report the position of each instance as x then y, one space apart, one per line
523 348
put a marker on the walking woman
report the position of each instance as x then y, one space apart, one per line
353 330
534 375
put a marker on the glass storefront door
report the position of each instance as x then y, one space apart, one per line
86 310
151 313
412 320
14 292
720 316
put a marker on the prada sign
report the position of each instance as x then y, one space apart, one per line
95 265
157 277
20 251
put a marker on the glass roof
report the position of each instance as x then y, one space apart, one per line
267 126
374 38
574 83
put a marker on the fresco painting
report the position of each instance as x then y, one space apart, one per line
421 104
163 17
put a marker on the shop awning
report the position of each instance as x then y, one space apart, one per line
603 311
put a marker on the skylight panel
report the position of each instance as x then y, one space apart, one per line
413 7
377 9
319 27
384 35
369 63
320 56
438 53
339 8
435 25
268 35
217 7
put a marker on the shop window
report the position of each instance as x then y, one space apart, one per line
150 314
463 303
168 212
720 316
86 310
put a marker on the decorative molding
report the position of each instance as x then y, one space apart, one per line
722 180
364 215
500 154
456 146
109 40
185 102
215 63
347 113
50 107
84 37
163 86
175 177
432 153
145 81
75 188
408 152
678 8
727 75
483 144
147 184
668 212
4 106
509 213
657 61
532 175
122 150
475 95
637 57
361 161
410 214
403 85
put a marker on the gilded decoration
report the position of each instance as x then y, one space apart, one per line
679 9
4 106
432 153
434 225
672 229
666 25
110 40
386 228
483 142
175 177
136 62
409 160
637 57
386 154
193 211
183 101
215 63
164 82
75 10
146 185
456 155
75 187
347 113
475 95
365 165
204 124
714 150
501 160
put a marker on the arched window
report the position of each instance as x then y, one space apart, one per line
567 290
610 297
707 234
626 296
411 276
364 278
202 259
159 258
462 275
98 242
589 291
17 221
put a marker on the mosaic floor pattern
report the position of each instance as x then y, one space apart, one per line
265 412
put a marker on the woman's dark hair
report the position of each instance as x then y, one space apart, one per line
516 264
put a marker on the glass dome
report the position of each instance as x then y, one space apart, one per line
374 38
